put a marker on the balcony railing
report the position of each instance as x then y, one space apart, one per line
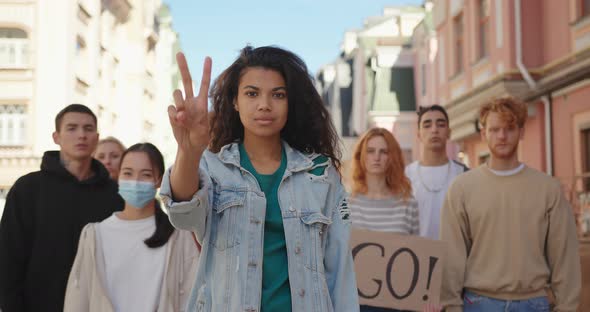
14 53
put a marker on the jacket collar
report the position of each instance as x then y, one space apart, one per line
296 160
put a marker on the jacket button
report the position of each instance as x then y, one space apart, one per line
291 209
297 250
255 221
321 232
301 292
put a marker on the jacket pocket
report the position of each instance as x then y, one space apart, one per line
314 227
228 212
203 300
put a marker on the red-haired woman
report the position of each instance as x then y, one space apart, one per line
381 194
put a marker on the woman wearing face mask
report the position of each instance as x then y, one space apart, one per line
108 152
381 195
134 260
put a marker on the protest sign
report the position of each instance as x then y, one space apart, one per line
397 271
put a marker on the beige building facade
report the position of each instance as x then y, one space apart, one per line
115 56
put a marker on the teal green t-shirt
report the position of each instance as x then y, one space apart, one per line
276 293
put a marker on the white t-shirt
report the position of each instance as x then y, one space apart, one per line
134 272
506 173
429 186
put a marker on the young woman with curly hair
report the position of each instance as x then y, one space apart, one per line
258 183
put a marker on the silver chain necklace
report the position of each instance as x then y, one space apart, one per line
434 190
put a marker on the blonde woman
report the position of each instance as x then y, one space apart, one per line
108 152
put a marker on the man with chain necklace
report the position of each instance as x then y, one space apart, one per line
432 174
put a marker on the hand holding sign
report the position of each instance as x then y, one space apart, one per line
397 271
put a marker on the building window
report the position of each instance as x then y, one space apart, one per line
3 194
80 46
83 15
458 36
484 26
585 7
81 61
12 125
14 48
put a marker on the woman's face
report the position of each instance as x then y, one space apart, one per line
376 156
109 154
262 102
137 166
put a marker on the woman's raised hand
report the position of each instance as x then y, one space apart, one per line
189 116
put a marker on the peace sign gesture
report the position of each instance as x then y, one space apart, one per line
189 116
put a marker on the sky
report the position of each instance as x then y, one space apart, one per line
313 29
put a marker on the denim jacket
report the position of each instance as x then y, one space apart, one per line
227 214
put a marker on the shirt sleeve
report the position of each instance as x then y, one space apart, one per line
16 233
454 230
80 279
563 255
189 215
338 261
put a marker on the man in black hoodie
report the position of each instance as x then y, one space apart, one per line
45 212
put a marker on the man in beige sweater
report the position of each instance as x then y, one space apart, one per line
510 232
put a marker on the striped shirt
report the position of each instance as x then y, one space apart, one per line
385 215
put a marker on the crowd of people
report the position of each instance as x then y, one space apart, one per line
255 216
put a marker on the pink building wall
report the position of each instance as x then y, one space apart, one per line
532 146
556 30
555 49
474 147
547 39
506 54
500 58
532 17
565 109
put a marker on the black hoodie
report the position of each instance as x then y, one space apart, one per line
44 214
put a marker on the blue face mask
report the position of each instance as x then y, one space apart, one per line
137 193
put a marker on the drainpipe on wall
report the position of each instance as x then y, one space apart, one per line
548 133
533 85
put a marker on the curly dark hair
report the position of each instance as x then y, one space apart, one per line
309 128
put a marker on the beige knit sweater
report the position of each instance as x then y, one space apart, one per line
510 238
